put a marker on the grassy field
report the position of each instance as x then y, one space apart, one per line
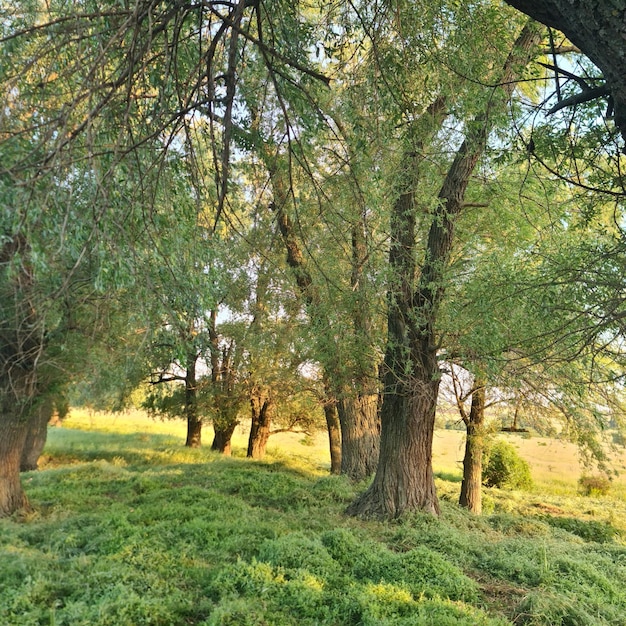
131 529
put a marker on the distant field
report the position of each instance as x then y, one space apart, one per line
555 464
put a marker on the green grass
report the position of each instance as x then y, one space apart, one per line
131 529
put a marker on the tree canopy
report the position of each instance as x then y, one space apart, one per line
303 206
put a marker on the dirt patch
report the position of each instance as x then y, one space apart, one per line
499 596
549 509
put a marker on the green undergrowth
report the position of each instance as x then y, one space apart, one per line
132 530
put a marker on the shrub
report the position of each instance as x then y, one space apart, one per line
598 485
505 468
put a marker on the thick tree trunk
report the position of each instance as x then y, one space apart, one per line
36 435
221 440
360 435
194 431
22 343
13 432
599 30
471 487
261 408
404 478
334 435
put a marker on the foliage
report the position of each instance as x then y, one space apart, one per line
504 468
589 530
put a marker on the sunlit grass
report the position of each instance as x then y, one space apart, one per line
130 529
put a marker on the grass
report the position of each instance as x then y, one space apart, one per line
132 529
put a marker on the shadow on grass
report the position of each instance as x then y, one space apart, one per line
451 477
66 446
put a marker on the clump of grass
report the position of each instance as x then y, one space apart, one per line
596 485
540 609
589 530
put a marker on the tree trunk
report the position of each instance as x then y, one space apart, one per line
222 437
262 407
36 435
360 425
13 431
194 431
22 340
360 435
334 435
598 29
471 487
404 477
194 422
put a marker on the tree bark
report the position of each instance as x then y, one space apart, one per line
598 29
221 439
22 343
261 408
194 432
194 421
471 487
13 432
404 477
225 399
36 435
334 435
360 434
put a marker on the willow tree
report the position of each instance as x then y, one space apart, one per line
598 30
404 478
296 162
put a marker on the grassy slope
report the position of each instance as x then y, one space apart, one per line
131 529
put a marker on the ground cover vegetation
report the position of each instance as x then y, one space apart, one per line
134 528
344 216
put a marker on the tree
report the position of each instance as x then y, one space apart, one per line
351 390
404 478
598 30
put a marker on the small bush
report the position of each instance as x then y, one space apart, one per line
598 485
505 469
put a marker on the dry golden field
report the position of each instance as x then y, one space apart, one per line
554 464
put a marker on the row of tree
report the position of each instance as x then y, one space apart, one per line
290 211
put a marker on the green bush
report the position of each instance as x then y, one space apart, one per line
505 469
598 485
